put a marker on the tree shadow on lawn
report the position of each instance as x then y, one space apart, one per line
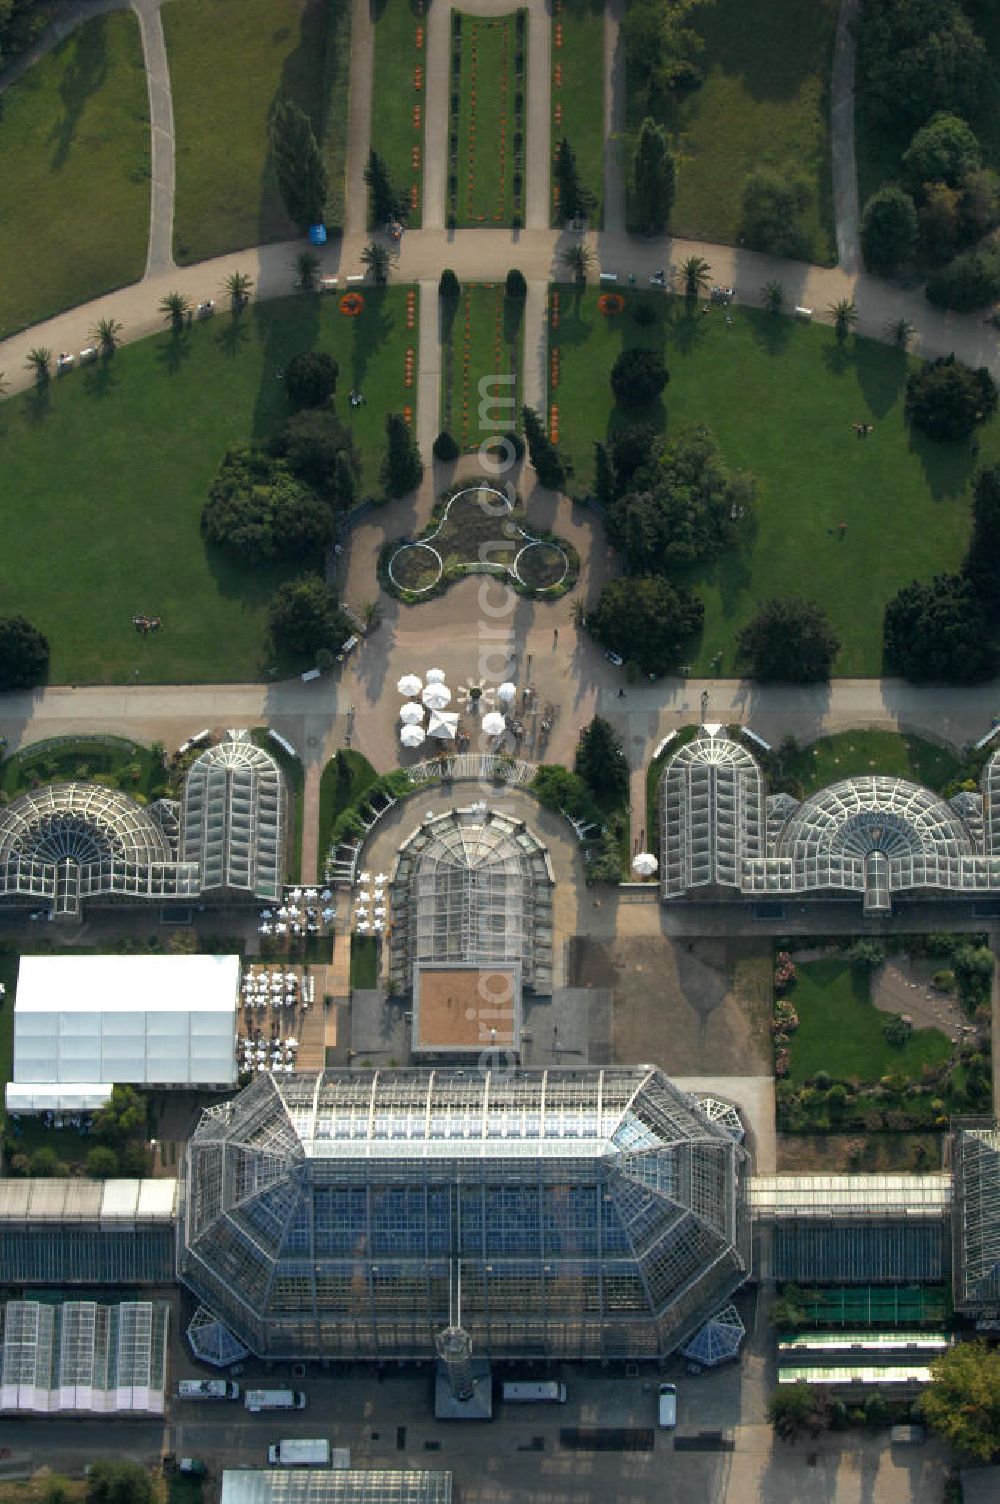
174 352
881 371
84 76
102 379
770 48
770 331
301 82
686 326
948 467
369 332
283 329
233 335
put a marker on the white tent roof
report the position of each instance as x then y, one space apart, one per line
443 723
86 1021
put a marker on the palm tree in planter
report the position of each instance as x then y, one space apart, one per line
307 267
375 258
175 308
578 259
239 286
40 361
845 315
695 272
900 331
106 335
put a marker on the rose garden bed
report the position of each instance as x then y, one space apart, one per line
486 120
476 530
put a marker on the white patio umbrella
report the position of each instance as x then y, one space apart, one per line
494 723
409 685
411 714
436 696
443 724
412 736
645 864
434 676
381 878
507 691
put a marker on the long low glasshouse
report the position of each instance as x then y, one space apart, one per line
722 834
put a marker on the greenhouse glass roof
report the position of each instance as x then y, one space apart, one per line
718 1340
976 1161
334 1486
77 1355
472 887
590 1212
872 835
233 818
212 1341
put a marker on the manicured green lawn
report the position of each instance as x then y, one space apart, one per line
364 962
106 473
852 752
763 103
74 170
484 335
135 768
229 61
578 91
840 1030
487 122
396 131
781 398
337 793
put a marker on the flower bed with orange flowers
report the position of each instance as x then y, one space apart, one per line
577 96
399 89
482 337
351 304
611 303
486 123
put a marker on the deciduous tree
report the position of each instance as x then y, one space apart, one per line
24 654
789 640
937 630
647 621
962 1401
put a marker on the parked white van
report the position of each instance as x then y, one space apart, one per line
666 1414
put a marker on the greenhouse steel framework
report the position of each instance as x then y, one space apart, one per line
77 1355
589 1213
69 843
873 835
472 886
976 1221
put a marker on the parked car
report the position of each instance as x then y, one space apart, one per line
614 658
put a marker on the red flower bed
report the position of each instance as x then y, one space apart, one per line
611 303
351 304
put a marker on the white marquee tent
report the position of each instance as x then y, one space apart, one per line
84 1023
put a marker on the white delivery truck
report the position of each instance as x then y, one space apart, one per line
207 1389
541 1393
274 1399
299 1452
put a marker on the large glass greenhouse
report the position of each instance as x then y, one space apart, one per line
582 1214
873 835
976 1160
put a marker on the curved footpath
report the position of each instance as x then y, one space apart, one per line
481 255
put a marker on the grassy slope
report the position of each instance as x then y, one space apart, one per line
107 473
840 1030
490 198
74 169
393 134
781 398
581 60
852 752
334 799
484 334
764 102
229 61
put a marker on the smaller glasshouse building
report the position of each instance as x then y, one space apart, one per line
78 1356
67 844
872 837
